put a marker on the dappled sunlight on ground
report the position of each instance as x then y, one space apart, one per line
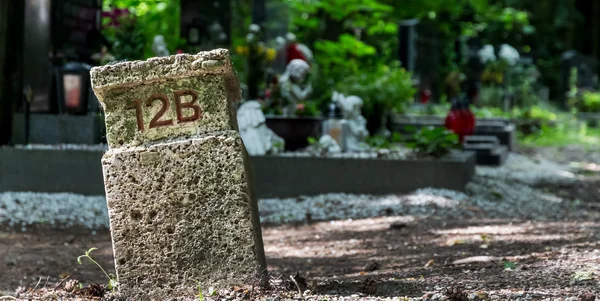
421 252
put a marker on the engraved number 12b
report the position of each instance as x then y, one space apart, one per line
180 105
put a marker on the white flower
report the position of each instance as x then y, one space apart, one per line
254 28
509 54
250 37
280 43
486 54
290 37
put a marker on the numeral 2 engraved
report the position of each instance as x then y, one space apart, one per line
179 105
156 122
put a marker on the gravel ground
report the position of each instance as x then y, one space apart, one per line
527 188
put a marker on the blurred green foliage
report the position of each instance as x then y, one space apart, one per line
158 17
386 86
356 36
591 102
349 37
242 17
568 132
128 40
432 141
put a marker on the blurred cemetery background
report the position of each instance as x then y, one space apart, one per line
352 109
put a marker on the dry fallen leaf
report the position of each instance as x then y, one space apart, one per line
429 263
481 295
580 276
476 259
455 241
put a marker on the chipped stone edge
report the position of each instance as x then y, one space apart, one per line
151 146
154 69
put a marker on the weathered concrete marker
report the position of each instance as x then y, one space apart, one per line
177 177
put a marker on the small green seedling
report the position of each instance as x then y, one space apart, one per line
200 295
509 265
112 280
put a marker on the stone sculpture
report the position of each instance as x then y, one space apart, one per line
257 137
356 124
328 144
294 90
159 47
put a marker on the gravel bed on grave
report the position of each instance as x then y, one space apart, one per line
84 147
514 190
23 209
510 191
393 153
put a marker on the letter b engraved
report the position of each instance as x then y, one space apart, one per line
180 105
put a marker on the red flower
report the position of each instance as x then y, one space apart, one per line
293 52
114 15
300 107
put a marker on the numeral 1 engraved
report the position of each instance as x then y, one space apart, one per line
137 105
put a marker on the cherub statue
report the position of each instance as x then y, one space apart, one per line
159 47
355 123
329 144
292 85
258 138
103 57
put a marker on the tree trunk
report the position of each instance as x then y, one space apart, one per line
11 49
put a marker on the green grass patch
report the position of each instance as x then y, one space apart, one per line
569 132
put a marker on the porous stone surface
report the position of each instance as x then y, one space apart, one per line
180 213
181 208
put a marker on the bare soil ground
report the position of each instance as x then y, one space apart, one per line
404 256
376 257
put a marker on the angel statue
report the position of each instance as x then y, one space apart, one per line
159 47
356 124
258 138
294 90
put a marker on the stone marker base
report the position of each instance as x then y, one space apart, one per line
282 176
177 206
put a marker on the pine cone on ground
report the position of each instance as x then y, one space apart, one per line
93 290
72 285
456 293
369 287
